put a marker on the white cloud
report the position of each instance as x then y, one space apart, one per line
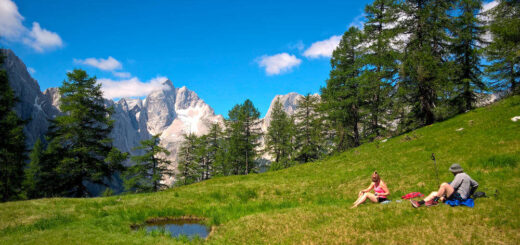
322 48
41 39
122 74
31 70
12 29
278 63
132 87
108 64
11 26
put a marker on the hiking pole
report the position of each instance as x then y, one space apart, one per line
436 171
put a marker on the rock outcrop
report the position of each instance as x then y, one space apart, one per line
33 106
169 111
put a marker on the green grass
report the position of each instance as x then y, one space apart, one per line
309 203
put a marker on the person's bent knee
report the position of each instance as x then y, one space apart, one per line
444 184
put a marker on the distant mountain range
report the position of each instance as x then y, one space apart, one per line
169 111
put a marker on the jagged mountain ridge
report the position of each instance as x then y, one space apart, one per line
168 111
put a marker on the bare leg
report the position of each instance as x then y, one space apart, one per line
360 196
444 189
431 196
360 200
363 198
372 197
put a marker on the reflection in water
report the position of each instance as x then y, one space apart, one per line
187 227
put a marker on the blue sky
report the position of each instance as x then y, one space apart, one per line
225 51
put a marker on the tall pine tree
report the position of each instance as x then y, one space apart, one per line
12 142
467 34
149 169
79 138
424 69
279 136
341 98
504 51
244 133
380 61
32 172
189 169
308 129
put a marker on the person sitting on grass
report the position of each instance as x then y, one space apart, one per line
459 189
380 191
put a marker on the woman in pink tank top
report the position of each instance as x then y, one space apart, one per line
380 191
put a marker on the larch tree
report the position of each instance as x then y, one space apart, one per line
79 138
308 129
244 134
381 65
279 136
467 31
188 170
341 98
424 67
148 169
32 172
504 50
12 142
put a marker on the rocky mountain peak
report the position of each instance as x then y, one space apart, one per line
289 102
160 108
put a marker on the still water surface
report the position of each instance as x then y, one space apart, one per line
189 228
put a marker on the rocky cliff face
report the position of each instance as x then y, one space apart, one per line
173 112
33 105
290 103
169 111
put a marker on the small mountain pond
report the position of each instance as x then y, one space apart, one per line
190 228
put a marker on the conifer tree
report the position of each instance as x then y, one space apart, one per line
79 138
149 169
188 167
279 136
308 129
202 156
504 51
32 179
467 31
380 61
424 69
213 147
341 99
244 134
12 142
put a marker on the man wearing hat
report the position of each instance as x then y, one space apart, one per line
460 189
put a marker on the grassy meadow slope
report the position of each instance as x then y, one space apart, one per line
309 203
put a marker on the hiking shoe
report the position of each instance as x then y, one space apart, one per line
415 204
431 203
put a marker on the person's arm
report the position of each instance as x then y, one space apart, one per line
474 186
370 187
457 181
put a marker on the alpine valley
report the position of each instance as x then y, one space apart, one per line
169 111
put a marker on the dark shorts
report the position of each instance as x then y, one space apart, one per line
455 196
381 199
